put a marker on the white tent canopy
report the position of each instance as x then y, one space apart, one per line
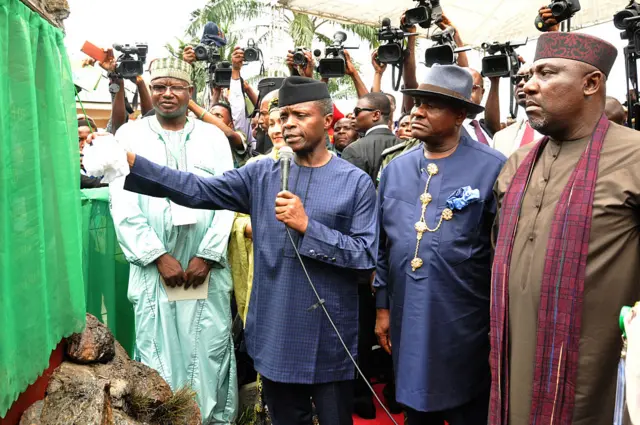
482 20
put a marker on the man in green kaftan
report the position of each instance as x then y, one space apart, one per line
176 252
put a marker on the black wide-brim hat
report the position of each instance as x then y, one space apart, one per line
451 83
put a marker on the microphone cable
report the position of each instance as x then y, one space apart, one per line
335 328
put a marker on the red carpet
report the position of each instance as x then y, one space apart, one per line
381 416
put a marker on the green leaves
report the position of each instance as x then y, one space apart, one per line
303 29
225 13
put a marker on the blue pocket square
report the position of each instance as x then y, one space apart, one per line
462 197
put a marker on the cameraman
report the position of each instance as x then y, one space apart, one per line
120 110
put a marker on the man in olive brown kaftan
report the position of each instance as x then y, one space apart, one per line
567 245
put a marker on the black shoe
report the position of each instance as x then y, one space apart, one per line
365 408
389 393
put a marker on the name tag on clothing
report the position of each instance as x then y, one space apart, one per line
183 216
180 294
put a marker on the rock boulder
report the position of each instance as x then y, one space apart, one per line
94 345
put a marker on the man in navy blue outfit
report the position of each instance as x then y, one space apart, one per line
330 209
436 209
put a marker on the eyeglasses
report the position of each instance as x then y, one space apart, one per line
162 89
356 110
519 78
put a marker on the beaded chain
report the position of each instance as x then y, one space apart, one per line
421 226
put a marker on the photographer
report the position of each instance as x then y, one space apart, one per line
236 93
220 116
307 71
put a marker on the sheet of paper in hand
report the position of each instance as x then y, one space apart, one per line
180 294
183 216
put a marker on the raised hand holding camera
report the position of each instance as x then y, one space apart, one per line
128 66
334 65
426 13
189 55
502 61
561 10
237 58
378 66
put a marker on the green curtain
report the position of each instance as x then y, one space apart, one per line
106 271
41 288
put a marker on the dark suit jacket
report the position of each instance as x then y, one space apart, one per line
366 153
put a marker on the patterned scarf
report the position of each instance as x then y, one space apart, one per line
561 294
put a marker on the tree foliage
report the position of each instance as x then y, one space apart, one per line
303 29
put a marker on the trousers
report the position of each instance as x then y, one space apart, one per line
473 413
290 404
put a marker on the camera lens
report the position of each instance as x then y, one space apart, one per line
442 55
299 59
559 8
496 66
618 18
416 16
390 53
201 52
251 55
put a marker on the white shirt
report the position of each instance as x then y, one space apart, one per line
375 127
472 131
508 141
238 110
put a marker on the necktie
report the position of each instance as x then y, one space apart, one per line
527 137
479 134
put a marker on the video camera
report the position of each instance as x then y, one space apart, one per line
127 66
444 52
427 12
393 51
628 20
561 10
631 11
334 65
502 59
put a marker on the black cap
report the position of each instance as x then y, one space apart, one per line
296 90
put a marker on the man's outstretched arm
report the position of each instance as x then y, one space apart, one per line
229 191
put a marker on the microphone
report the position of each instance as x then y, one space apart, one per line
286 155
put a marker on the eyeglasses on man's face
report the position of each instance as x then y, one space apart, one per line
162 89
357 111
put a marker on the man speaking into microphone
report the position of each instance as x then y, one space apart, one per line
330 209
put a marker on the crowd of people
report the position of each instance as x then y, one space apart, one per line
477 268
